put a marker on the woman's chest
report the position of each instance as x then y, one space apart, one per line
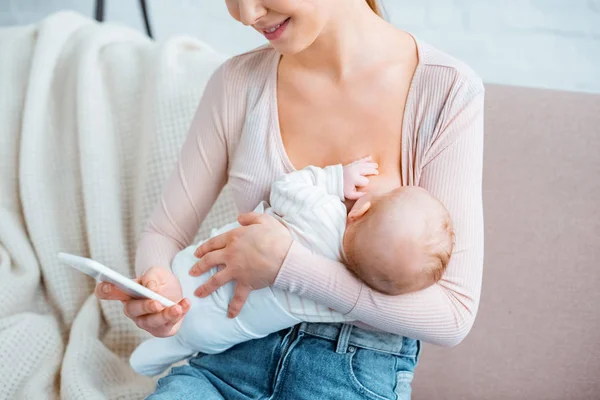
342 125
293 125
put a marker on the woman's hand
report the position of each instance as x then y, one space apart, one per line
250 255
148 314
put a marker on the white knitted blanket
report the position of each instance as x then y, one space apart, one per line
92 118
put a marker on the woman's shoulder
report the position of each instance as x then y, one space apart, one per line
446 95
442 84
250 67
438 64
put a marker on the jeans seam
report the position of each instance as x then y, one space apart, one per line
375 349
352 343
286 342
398 381
319 336
360 387
281 371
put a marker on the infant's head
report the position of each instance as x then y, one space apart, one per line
400 241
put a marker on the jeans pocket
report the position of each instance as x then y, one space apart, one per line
373 373
179 370
403 388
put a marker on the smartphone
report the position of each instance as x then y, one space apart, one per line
104 274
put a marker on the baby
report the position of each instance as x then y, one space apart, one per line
396 242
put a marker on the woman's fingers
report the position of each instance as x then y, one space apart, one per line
170 315
212 244
185 305
136 308
215 282
108 291
208 261
238 300
252 218
150 279
161 324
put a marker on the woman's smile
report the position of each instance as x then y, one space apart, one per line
274 32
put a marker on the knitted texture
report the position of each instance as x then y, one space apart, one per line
93 117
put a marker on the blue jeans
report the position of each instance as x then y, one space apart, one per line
309 361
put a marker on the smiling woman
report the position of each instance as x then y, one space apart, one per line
273 18
274 32
336 83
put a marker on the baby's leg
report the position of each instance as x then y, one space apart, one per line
263 314
181 265
155 355
206 327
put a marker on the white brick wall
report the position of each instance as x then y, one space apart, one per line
540 43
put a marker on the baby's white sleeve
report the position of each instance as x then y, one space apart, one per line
307 189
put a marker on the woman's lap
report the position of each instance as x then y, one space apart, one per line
299 364
186 382
243 372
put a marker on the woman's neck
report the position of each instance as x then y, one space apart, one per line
344 47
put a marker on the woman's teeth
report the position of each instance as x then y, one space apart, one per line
273 29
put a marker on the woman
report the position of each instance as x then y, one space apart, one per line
336 83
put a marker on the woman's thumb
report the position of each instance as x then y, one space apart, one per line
250 218
150 279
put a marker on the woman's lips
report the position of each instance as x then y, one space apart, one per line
274 32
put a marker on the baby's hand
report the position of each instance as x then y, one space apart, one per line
355 176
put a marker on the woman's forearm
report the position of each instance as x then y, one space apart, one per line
154 250
441 314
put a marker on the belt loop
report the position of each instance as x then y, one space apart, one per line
343 339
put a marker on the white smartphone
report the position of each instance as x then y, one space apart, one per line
104 274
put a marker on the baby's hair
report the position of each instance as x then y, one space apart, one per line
439 249
435 243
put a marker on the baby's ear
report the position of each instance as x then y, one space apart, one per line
357 212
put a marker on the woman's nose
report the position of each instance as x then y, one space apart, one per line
251 11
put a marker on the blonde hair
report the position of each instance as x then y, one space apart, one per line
375 7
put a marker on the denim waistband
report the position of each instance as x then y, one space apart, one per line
347 335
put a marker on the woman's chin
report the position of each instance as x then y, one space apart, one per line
289 44
288 47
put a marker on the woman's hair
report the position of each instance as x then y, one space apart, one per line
375 7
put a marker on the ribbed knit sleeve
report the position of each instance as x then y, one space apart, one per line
194 184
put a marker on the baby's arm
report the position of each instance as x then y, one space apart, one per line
313 187
310 202
307 188
355 176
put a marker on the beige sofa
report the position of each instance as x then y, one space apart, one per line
537 334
